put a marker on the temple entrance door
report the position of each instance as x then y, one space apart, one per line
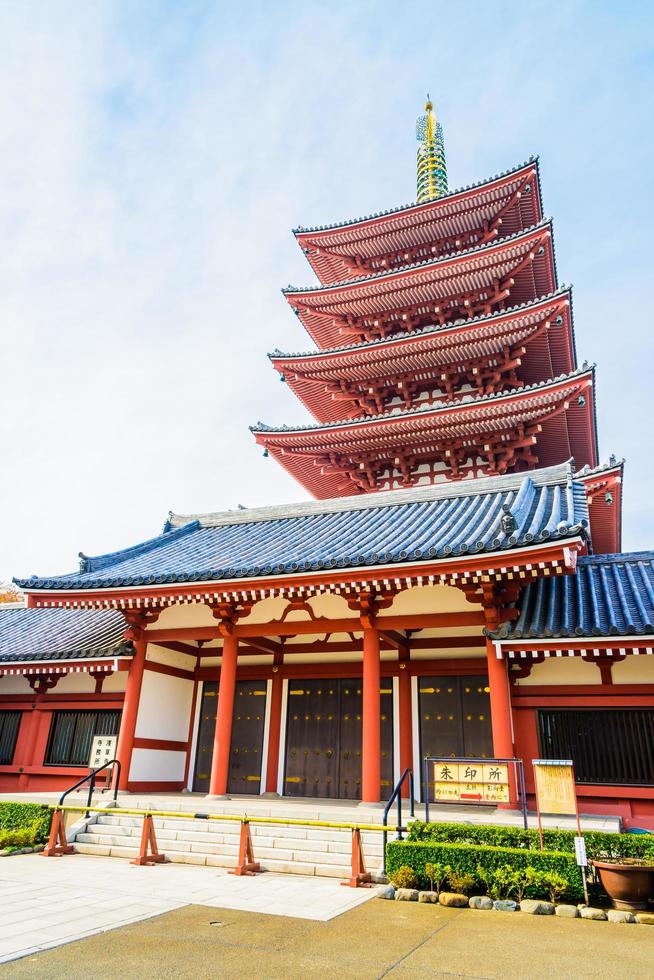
323 742
455 717
247 737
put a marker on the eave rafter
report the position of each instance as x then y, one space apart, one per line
477 282
438 365
484 436
460 220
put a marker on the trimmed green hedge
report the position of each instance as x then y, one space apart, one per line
598 844
31 819
464 859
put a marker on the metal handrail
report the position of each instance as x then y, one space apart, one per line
396 794
91 775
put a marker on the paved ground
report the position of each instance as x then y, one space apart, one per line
374 940
49 901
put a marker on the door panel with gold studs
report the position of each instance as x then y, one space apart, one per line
455 717
206 731
323 742
247 737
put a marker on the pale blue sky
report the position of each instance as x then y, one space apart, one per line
155 157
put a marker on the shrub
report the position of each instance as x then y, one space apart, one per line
465 859
404 877
555 884
598 843
436 874
26 837
460 881
23 816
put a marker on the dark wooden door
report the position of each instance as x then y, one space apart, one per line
323 740
312 744
247 737
455 717
206 731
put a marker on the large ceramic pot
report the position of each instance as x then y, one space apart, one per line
629 886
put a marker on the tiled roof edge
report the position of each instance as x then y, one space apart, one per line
478 249
416 204
464 402
550 475
435 328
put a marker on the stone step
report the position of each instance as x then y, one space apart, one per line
218 843
277 865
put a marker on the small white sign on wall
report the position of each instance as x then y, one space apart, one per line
103 749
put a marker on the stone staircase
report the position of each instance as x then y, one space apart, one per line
286 850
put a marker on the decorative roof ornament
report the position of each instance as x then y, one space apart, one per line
432 171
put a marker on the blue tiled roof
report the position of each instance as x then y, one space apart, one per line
61 634
379 529
610 595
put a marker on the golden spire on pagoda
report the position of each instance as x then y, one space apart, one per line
432 170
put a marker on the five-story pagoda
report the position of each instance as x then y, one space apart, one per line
445 347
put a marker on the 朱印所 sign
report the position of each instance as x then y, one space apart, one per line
472 782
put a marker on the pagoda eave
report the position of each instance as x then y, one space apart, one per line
527 344
496 208
538 426
473 283
603 486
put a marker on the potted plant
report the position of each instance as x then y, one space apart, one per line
629 882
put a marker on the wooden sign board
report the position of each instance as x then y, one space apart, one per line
555 786
471 782
103 749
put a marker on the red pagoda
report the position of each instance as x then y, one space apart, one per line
445 350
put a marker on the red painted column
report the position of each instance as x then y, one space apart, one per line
371 728
500 704
223 736
131 708
406 724
274 732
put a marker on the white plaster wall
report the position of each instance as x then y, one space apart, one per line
157 765
75 684
14 684
193 614
173 658
116 682
634 670
562 670
428 599
164 707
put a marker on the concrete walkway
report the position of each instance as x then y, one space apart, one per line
377 939
49 901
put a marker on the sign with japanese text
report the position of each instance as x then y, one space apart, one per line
473 782
103 749
555 786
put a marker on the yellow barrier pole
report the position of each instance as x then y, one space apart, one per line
234 818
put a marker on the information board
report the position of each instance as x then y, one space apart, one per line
555 786
472 782
103 749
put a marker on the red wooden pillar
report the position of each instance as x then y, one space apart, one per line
500 704
131 707
406 724
274 732
223 736
371 728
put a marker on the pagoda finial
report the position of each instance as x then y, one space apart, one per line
432 171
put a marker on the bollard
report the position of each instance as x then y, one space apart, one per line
246 863
360 877
148 839
57 843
